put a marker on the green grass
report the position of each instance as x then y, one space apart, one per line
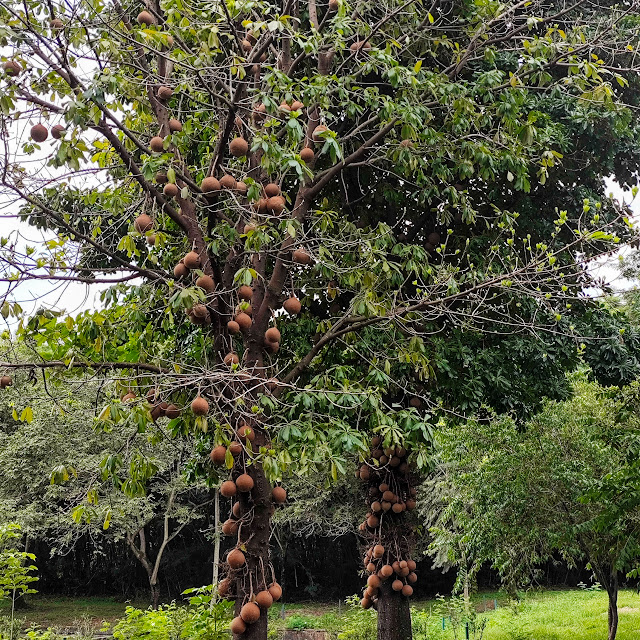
63 612
544 615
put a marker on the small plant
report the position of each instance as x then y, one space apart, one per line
15 571
462 617
297 621
358 623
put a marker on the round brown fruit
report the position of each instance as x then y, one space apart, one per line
307 155
376 507
56 131
386 571
276 591
388 496
412 565
334 5
366 603
127 397
206 282
249 227
244 321
228 182
370 567
151 239
12 67
238 626
242 188
172 412
250 613
279 495
5 381
218 454
264 599
231 359
244 483
261 205
398 507
364 473
180 271
386 505
301 256
145 18
192 260
200 406
272 190
373 521
228 489
296 105
39 133
224 586
245 432
272 335
157 144
316 135
233 327
143 223
275 205
175 126
397 585
411 505
200 311
230 528
170 190
210 185
236 510
407 590
236 448
412 577
245 292
164 93
292 305
378 551
374 582
415 402
239 147
161 177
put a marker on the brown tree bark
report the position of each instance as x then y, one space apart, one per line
253 535
612 617
394 614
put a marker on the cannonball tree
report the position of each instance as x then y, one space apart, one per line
285 206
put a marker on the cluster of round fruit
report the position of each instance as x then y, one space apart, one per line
251 611
158 407
381 566
241 485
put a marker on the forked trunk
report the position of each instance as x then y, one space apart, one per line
394 614
612 592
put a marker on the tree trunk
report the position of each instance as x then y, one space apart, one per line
155 596
394 615
255 534
612 592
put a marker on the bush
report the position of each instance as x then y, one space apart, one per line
358 623
200 620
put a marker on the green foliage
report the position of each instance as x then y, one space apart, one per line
561 484
16 567
357 623
201 620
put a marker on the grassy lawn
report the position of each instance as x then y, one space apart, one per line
548 615
66 612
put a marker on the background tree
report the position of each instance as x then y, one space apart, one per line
516 498
63 481
364 157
